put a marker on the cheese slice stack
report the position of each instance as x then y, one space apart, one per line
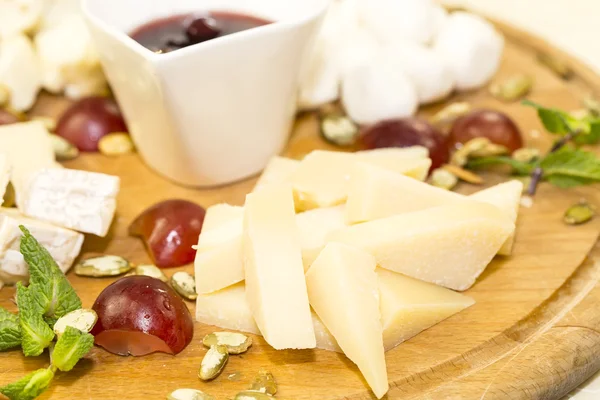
229 309
343 291
275 284
321 179
448 245
279 170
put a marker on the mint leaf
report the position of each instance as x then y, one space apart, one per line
36 335
71 346
566 182
29 387
573 163
10 330
519 167
51 289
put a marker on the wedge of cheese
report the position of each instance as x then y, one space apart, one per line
409 306
314 226
279 170
343 291
507 197
375 192
4 175
25 159
321 179
229 309
79 200
63 245
388 158
275 285
448 245
222 222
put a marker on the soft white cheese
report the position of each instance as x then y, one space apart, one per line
20 70
63 244
19 16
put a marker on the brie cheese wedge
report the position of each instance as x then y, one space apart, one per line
63 245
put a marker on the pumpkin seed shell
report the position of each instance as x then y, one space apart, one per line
150 270
339 130
252 395
185 285
513 88
115 144
450 113
213 362
83 319
443 179
189 394
103 266
579 213
63 149
264 382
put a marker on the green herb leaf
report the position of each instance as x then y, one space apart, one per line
572 163
36 335
71 346
29 387
566 182
560 122
10 331
51 289
519 167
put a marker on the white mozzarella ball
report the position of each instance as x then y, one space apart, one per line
20 71
472 48
428 70
377 89
390 20
440 17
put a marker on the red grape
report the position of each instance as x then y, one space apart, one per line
169 230
139 315
408 132
86 121
494 125
7 117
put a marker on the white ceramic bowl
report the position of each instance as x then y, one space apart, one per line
215 112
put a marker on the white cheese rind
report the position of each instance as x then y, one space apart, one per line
275 285
409 306
343 291
80 200
449 245
63 244
507 197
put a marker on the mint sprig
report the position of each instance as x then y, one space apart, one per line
36 334
53 292
10 330
71 346
30 386
48 297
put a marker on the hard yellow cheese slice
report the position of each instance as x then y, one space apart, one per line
449 245
229 309
279 170
314 226
409 306
506 196
342 288
275 285
321 179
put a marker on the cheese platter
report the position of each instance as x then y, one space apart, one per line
409 290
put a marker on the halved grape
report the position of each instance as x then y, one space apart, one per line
498 127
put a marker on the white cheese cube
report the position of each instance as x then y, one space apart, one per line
343 291
448 245
20 70
507 197
63 245
409 306
279 170
80 200
275 285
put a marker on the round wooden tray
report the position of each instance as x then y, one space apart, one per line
534 332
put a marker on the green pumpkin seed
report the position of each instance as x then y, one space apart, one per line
513 88
462 154
189 394
339 130
579 214
63 150
264 382
252 395
526 154
450 113
116 144
556 65
98 267
149 270
83 319
185 285
213 362
443 179
236 343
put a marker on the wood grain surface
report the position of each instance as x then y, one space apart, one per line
534 332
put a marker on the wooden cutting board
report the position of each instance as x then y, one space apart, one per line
534 332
